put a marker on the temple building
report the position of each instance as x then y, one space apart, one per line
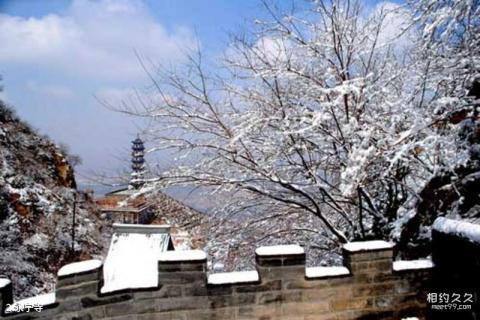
123 206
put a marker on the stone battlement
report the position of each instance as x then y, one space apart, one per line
369 285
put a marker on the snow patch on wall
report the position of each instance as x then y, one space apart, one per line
279 250
321 272
461 229
412 265
179 256
78 267
132 260
233 277
367 245
4 283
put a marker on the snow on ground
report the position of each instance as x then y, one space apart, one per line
322 272
367 245
78 267
133 257
279 250
42 300
462 229
412 265
233 277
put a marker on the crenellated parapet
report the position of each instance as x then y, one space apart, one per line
369 284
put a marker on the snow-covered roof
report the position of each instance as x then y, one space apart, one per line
125 191
179 255
322 272
462 229
233 277
42 300
367 245
4 282
279 250
140 228
78 267
132 259
412 265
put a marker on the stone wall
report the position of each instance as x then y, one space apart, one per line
369 286
456 254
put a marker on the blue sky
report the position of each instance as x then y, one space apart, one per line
56 56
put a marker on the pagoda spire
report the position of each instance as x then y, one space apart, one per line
137 178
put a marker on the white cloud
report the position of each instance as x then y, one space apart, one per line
96 39
50 91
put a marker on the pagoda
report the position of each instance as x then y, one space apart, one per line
137 177
125 205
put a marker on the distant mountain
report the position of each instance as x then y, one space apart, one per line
37 192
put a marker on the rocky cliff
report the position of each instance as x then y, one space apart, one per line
37 192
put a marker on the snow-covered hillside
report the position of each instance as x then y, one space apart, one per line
37 188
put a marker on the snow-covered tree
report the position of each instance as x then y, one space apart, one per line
449 52
332 113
